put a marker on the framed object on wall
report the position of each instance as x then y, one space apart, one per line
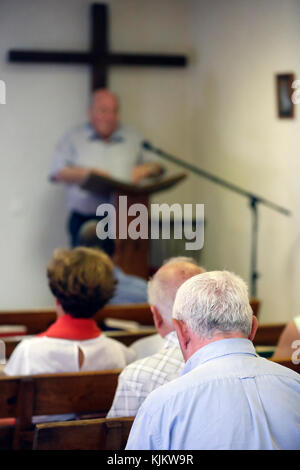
284 88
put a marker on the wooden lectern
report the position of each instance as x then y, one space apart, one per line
131 255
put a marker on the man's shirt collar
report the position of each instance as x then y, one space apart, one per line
171 340
116 136
222 347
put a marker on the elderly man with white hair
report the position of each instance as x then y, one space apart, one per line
136 382
226 397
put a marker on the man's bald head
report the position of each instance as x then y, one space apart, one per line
163 286
104 112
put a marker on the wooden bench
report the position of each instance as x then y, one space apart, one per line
255 305
129 337
139 313
51 394
268 334
35 321
92 434
39 320
125 337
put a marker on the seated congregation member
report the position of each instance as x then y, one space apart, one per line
82 282
129 289
227 397
289 341
153 343
141 377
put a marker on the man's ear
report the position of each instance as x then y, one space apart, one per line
183 334
254 328
158 321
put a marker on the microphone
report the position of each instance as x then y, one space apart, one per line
147 145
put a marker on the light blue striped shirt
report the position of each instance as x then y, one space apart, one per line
82 146
227 398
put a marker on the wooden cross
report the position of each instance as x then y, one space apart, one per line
98 56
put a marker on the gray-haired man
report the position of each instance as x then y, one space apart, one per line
145 375
227 397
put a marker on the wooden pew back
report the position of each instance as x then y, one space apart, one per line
129 337
73 392
47 394
9 387
139 313
288 363
39 320
98 434
92 434
35 321
255 305
268 334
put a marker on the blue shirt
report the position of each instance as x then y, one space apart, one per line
82 146
129 290
227 398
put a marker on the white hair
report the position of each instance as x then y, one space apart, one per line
162 287
180 259
214 302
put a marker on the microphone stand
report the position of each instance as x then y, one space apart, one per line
253 199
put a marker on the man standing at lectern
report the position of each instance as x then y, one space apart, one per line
103 146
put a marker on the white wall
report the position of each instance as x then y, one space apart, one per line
43 101
220 114
240 45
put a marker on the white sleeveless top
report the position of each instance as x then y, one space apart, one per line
43 355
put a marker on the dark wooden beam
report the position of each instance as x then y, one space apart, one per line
69 57
99 45
148 60
98 57
47 57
